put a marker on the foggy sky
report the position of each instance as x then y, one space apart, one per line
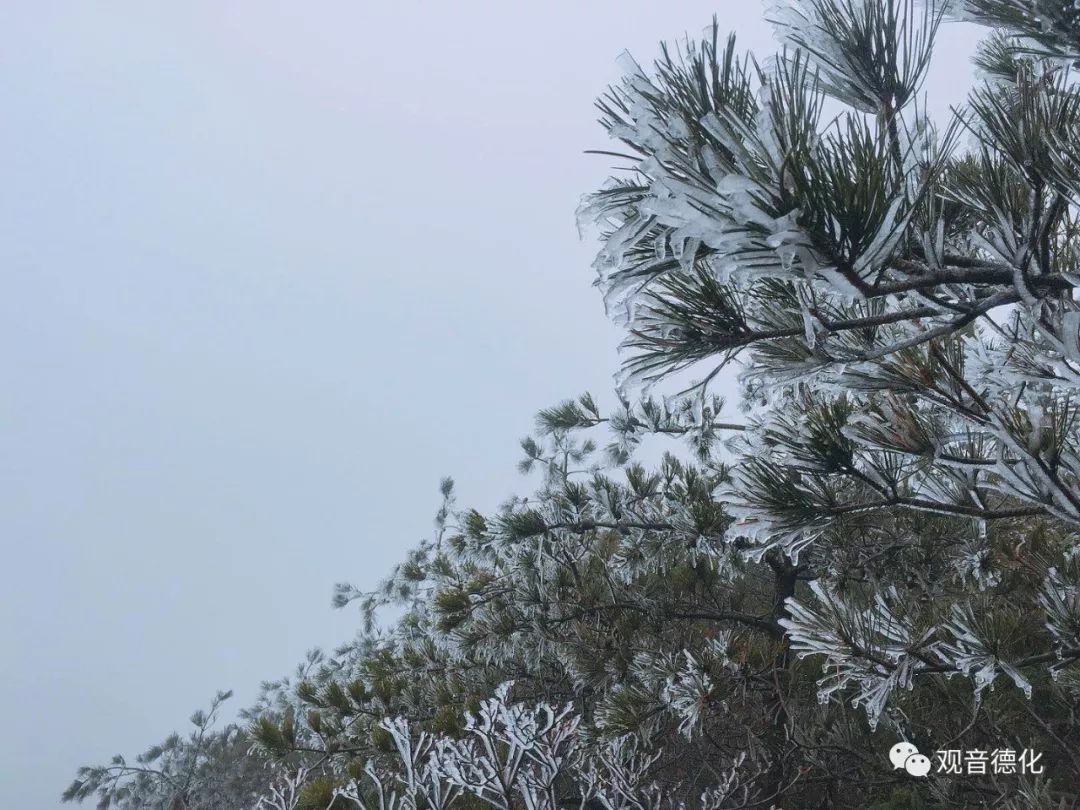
270 271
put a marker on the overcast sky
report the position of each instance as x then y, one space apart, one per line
270 271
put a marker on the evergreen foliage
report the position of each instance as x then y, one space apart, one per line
881 546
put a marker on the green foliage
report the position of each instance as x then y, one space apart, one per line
882 546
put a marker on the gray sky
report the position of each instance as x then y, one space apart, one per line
270 271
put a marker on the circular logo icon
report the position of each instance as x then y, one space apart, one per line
917 765
899 753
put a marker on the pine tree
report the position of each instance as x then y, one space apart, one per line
881 546
208 768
